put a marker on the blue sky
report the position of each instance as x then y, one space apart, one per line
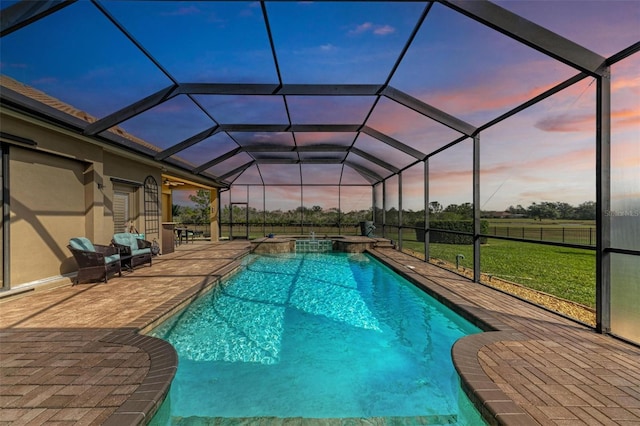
546 153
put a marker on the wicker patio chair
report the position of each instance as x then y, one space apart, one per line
134 251
95 261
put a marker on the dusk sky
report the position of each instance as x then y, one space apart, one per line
545 153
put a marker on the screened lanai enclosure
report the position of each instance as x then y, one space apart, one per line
499 139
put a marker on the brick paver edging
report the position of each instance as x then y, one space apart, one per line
145 401
496 407
148 397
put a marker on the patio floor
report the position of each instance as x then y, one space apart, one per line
72 355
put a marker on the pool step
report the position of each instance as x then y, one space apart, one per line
446 419
384 243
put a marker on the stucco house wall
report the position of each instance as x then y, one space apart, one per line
61 188
62 184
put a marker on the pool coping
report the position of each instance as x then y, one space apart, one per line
493 404
145 401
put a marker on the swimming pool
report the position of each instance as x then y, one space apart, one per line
316 336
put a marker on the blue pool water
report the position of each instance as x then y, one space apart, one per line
311 335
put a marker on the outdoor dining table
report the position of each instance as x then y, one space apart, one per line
183 231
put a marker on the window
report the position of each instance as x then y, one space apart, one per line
120 211
126 204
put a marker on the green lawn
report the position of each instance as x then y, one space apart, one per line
564 272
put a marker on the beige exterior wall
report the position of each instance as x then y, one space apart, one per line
63 188
47 207
53 198
167 202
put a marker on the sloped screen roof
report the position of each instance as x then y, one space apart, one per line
345 93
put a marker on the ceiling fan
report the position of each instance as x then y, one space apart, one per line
168 182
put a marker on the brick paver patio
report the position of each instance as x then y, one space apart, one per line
72 355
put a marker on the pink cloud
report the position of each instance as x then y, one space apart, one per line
384 30
585 122
568 177
505 90
381 30
628 161
498 169
359 29
539 195
490 95
626 118
169 107
497 89
583 159
567 123
577 99
410 127
622 81
602 26
451 175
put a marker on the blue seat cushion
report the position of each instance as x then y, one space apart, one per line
82 243
130 240
127 239
137 251
112 258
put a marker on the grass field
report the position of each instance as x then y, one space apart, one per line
581 232
563 272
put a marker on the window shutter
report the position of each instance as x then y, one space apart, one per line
120 211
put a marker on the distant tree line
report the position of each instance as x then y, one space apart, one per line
310 215
199 213
543 210
537 211
556 210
